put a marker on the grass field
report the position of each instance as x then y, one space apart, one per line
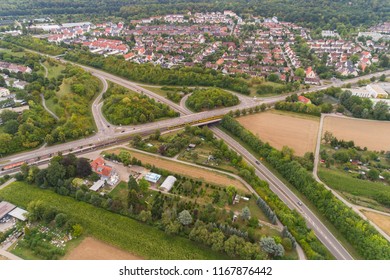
280 129
345 184
119 231
382 221
365 133
55 70
157 90
186 170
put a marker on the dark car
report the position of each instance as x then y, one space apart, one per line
257 162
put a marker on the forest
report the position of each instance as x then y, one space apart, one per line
125 107
35 126
147 73
342 15
208 99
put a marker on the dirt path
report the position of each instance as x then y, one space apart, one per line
354 207
93 249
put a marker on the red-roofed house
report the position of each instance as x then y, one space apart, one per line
303 99
107 173
310 73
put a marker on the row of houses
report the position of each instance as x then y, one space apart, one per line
14 68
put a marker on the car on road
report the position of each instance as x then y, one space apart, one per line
257 162
122 131
300 203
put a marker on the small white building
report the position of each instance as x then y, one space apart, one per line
370 91
4 92
97 185
168 183
19 214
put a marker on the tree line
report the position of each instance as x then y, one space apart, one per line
360 234
148 73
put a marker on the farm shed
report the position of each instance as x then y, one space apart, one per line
19 214
168 183
5 208
97 185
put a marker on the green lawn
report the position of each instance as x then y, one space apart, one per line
120 191
10 52
251 204
64 88
55 70
157 90
120 231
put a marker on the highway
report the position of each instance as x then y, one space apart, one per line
110 133
289 198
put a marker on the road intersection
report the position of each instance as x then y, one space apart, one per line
110 133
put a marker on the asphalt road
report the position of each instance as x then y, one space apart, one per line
110 132
289 198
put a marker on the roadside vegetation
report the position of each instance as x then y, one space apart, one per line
123 107
224 158
212 98
174 94
357 231
355 171
344 102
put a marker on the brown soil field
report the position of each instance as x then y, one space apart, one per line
280 129
380 220
93 249
190 171
365 133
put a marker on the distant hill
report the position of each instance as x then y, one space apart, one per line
327 14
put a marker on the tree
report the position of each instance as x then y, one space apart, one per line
61 219
269 245
300 72
137 139
132 184
83 168
77 230
328 137
36 210
381 111
55 172
273 78
245 213
143 185
173 228
185 218
231 192
79 195
233 245
11 127
216 241
145 216
373 174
